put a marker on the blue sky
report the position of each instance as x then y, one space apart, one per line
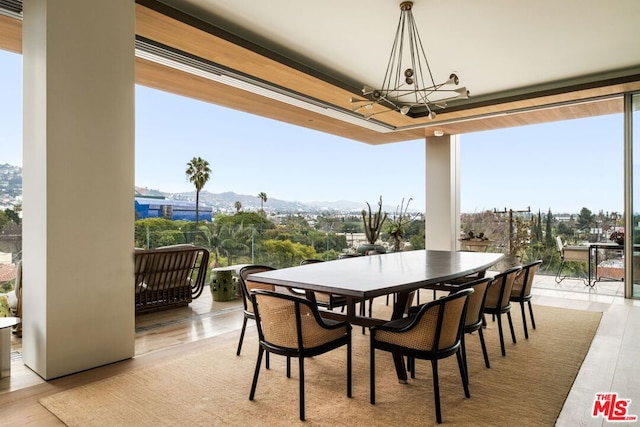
563 166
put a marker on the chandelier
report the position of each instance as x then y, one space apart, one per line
408 86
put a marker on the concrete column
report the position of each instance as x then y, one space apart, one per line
442 222
78 182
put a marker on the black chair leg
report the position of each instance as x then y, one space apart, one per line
256 373
412 366
513 332
504 353
372 376
463 374
301 365
349 369
463 350
533 322
524 320
436 389
244 326
288 367
484 348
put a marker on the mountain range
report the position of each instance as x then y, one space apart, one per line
11 192
226 202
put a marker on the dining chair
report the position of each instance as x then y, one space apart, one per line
324 299
247 287
434 333
497 301
521 291
291 326
473 320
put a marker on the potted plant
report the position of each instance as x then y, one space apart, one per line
398 223
617 236
372 227
475 242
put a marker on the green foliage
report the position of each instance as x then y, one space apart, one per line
154 232
3 219
417 242
170 237
285 253
7 286
563 230
585 219
329 255
244 218
208 237
10 215
549 241
198 172
235 241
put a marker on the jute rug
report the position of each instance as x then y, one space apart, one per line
211 387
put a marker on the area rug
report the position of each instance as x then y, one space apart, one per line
210 387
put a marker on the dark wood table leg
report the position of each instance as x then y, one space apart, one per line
399 309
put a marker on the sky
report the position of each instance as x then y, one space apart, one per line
562 166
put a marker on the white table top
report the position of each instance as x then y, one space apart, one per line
6 322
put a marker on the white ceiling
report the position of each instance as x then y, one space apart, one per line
494 45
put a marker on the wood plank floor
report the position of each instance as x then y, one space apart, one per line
610 366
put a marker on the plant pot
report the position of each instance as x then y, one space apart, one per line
223 287
369 247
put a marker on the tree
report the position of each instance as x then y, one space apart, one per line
233 241
198 173
549 242
284 253
208 237
13 215
238 205
263 199
585 220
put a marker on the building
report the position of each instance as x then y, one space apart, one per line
160 207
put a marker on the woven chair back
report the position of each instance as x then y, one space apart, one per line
499 290
524 280
291 322
247 285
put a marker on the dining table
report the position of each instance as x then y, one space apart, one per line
362 278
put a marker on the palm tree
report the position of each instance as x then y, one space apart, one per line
237 205
198 172
263 199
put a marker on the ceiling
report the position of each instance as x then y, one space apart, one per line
300 62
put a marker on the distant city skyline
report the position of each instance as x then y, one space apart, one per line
563 166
